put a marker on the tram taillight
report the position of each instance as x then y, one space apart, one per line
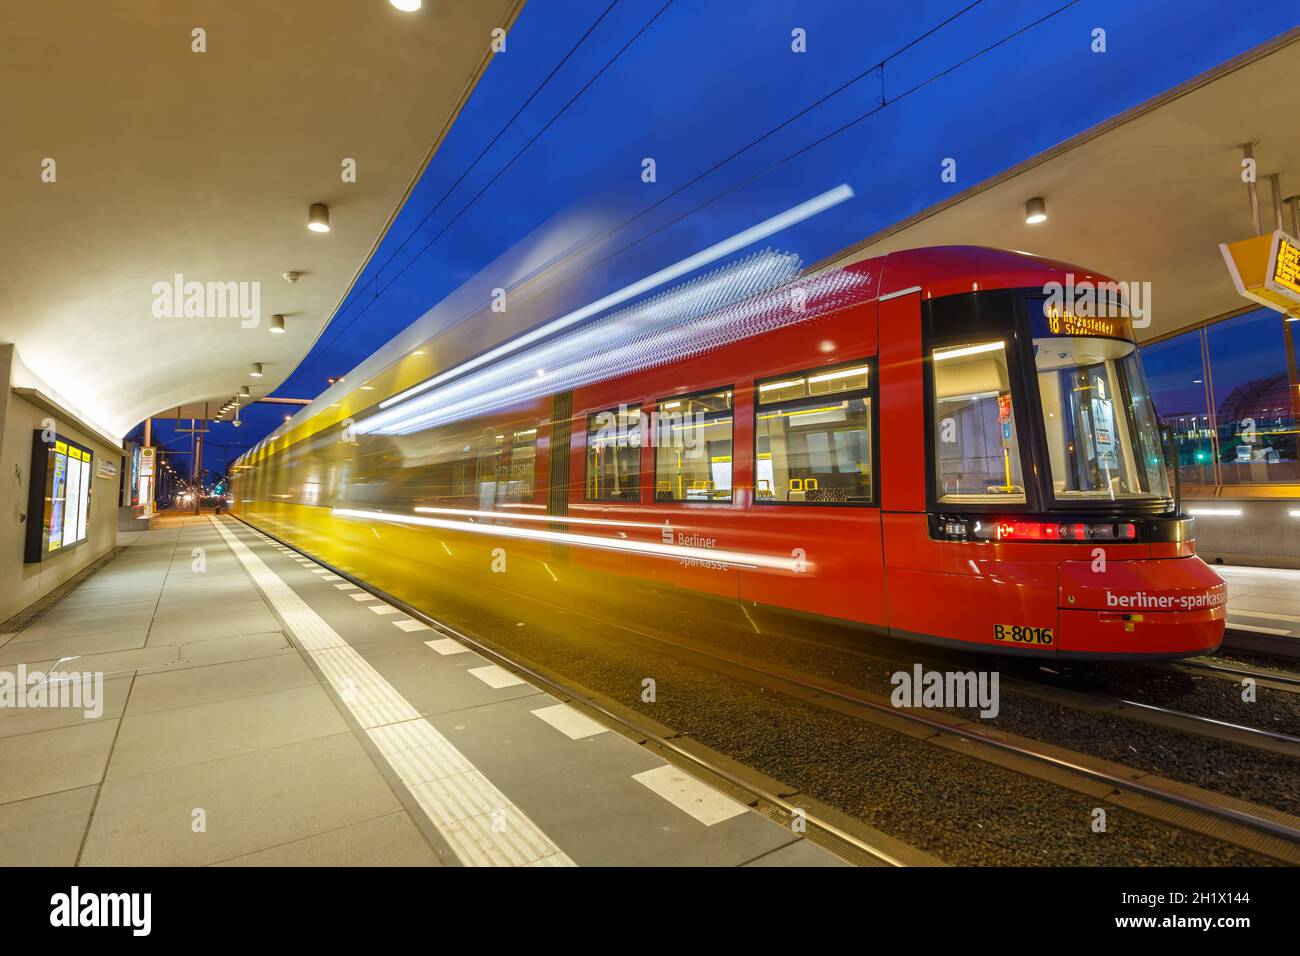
1017 529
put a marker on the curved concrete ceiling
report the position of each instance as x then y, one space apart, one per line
204 164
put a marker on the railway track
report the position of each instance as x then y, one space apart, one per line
1263 676
1167 717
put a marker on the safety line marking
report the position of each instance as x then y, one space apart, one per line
447 646
691 796
409 625
1269 615
496 677
1246 626
477 820
570 721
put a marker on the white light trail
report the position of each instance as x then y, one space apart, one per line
768 227
468 513
738 559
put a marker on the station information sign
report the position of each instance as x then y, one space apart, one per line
1284 272
1266 269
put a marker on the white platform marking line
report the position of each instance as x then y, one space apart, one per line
570 721
409 625
1245 626
690 795
383 609
447 646
346 587
331 576
363 596
1268 615
476 819
496 677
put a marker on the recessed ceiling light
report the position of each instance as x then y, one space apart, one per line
243 390
406 6
277 324
255 370
318 219
1036 210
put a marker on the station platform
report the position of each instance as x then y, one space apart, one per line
1263 608
257 709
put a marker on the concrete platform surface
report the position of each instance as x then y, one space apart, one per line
212 697
1263 608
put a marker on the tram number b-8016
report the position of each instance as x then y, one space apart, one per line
1022 634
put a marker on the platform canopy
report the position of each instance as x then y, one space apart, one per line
1147 196
168 162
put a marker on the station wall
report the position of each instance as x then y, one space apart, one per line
22 584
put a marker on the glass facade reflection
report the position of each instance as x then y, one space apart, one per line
1227 392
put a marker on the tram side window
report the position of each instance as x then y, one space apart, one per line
505 470
977 446
813 438
692 439
614 455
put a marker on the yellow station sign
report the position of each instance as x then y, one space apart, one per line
1266 269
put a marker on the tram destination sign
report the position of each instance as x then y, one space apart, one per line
1052 321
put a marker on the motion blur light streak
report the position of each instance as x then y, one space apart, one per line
465 512
709 313
726 247
590 353
738 559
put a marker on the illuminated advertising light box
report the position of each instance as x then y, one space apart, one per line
58 501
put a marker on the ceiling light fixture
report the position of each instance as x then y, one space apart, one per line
406 6
318 219
1036 210
277 324
243 390
255 370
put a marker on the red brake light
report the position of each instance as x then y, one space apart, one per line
1008 530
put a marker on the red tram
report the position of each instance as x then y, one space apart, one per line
954 455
